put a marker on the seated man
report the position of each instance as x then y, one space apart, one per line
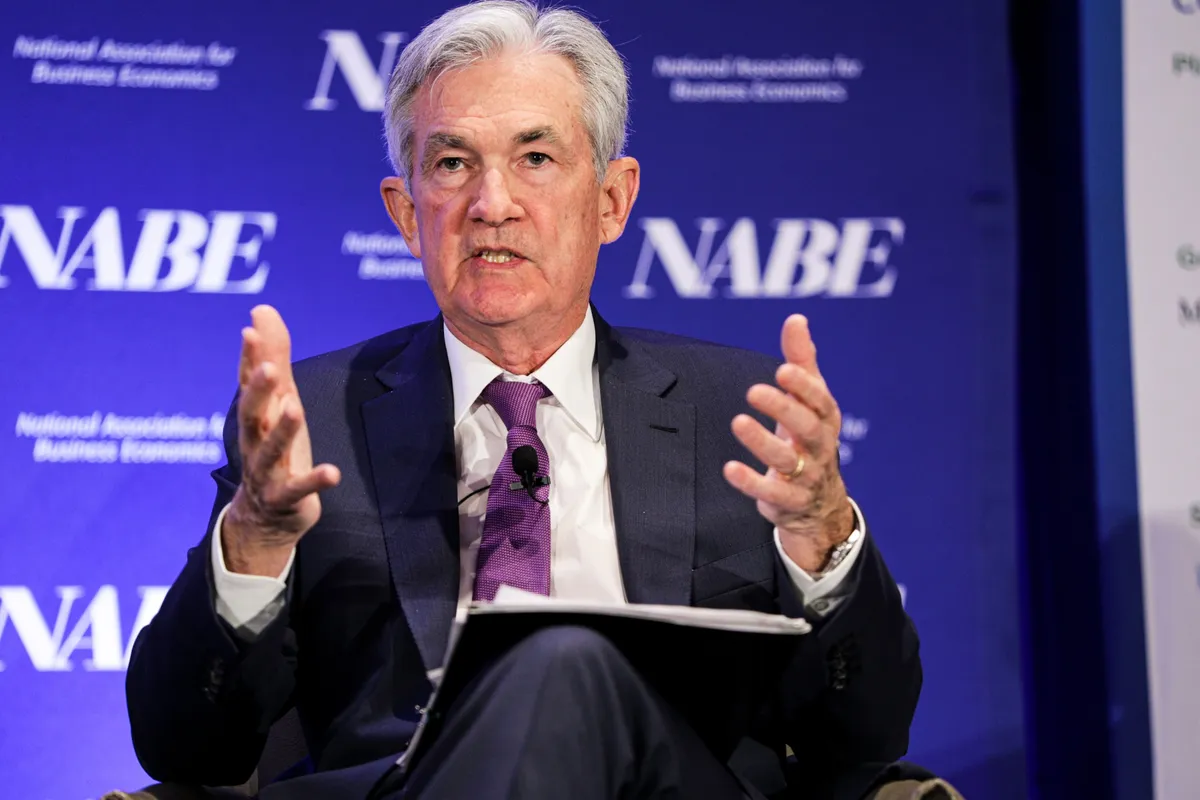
331 588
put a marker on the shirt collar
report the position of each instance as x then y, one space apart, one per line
567 374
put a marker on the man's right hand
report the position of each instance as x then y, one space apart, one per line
277 500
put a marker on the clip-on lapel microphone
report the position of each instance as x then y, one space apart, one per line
525 464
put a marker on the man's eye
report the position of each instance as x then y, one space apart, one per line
451 163
537 159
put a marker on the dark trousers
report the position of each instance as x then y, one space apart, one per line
563 716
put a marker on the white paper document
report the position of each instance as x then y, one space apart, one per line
509 599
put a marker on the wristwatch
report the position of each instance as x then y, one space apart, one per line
839 552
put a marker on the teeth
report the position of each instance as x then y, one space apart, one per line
496 256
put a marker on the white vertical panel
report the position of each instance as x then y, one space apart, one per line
1162 195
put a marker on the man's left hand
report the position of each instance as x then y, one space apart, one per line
802 492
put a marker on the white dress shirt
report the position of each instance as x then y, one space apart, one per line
584 564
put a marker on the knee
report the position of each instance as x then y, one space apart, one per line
569 646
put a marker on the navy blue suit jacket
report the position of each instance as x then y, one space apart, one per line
375 583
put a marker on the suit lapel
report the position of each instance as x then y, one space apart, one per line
651 443
410 438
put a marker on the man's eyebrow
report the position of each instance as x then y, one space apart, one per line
546 134
438 141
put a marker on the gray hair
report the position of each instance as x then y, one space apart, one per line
476 31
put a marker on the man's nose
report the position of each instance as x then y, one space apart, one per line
493 203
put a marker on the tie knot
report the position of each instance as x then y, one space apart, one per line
515 401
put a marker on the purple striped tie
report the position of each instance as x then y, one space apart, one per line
515 546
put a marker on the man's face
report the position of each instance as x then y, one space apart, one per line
505 211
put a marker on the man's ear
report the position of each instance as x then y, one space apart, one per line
402 210
617 195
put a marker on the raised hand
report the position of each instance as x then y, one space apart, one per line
276 502
802 492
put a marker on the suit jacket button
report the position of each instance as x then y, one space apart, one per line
820 606
838 684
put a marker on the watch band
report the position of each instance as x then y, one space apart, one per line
839 552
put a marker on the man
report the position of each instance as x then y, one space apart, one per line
331 588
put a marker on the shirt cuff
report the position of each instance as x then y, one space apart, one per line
249 603
821 595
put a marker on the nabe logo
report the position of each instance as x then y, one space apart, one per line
217 253
807 257
344 51
51 646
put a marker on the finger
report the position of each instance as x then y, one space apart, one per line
800 421
250 358
273 453
287 494
797 343
778 493
808 388
254 402
276 344
768 448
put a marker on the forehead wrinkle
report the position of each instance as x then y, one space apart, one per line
436 92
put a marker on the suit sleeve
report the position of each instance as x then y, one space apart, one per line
848 698
202 696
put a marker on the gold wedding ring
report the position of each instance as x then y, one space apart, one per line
790 476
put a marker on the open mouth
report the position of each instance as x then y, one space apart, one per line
496 256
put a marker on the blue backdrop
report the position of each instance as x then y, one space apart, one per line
165 167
